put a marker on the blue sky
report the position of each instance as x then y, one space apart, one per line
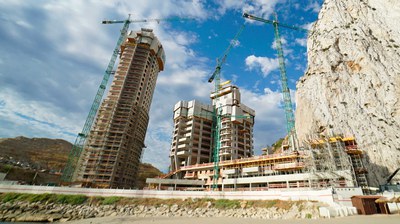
53 55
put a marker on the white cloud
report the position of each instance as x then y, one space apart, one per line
260 8
43 119
229 4
158 142
301 41
269 113
300 67
234 78
24 24
284 45
308 26
313 6
267 65
283 42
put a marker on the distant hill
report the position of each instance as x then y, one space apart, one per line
41 153
146 171
21 157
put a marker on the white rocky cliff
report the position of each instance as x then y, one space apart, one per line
352 84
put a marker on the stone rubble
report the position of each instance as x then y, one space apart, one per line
38 212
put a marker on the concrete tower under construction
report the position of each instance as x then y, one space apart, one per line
192 142
114 147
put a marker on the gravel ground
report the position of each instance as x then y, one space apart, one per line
370 219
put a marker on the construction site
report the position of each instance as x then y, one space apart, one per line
220 156
212 144
334 161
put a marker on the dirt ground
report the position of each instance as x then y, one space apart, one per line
370 219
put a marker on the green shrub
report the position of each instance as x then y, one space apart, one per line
226 204
37 197
111 200
9 197
5 168
23 197
308 216
271 203
70 199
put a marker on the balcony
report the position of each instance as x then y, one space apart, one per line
288 166
225 146
225 152
183 154
226 140
183 146
183 140
190 175
223 127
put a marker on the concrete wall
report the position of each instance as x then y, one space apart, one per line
343 195
392 206
3 176
317 195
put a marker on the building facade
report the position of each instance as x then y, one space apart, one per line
236 124
114 147
193 141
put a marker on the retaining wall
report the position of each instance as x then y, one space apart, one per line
315 195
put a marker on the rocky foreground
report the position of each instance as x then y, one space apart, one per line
21 211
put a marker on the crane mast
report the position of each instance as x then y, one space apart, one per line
290 126
290 122
217 109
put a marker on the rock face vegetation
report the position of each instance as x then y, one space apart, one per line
352 84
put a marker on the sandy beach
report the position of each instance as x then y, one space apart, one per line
370 219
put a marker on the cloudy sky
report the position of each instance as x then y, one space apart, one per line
53 55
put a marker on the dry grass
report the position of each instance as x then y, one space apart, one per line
191 203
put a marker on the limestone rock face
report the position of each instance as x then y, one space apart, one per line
352 84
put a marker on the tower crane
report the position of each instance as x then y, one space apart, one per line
290 123
217 110
80 140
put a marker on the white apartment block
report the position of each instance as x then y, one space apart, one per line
236 127
192 141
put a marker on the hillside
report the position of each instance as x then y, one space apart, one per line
39 153
352 84
21 157
146 171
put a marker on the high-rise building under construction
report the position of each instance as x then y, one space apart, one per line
114 147
193 142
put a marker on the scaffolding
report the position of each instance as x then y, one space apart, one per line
114 147
323 162
356 156
338 157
